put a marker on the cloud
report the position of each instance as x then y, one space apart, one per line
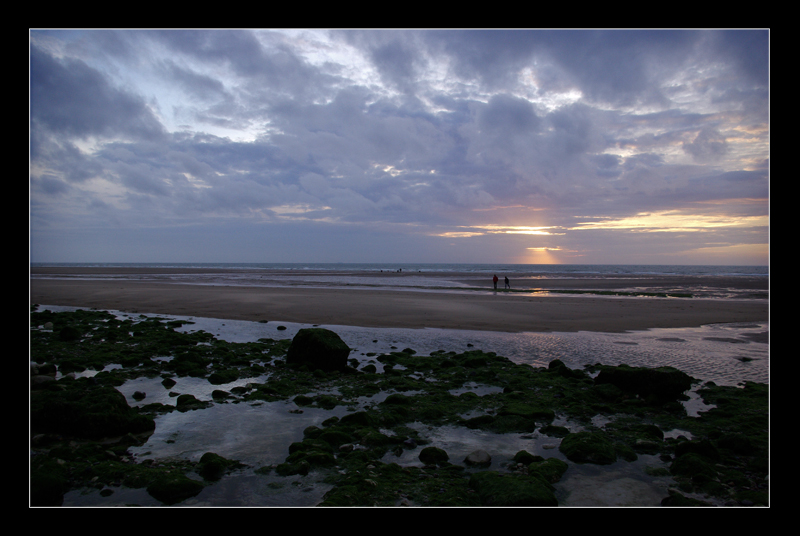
68 97
429 133
708 146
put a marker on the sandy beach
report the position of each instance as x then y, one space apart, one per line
391 308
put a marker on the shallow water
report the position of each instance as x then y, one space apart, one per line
259 434
724 353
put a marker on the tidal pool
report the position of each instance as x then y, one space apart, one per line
259 433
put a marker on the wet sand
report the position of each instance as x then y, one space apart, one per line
389 308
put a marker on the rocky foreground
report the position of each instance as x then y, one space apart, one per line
82 428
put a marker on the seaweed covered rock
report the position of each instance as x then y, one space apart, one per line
188 402
84 410
319 349
550 469
588 447
433 456
495 489
48 482
663 383
212 466
174 487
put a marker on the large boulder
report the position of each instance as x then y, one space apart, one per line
663 383
318 348
83 410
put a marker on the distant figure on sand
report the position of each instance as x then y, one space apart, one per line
495 280
508 283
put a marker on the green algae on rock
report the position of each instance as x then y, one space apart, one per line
588 447
726 457
497 489
318 348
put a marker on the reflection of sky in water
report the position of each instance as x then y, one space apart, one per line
722 353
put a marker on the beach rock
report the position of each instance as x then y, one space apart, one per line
478 457
318 348
173 488
526 457
168 383
189 402
212 466
588 447
433 456
663 383
82 410
550 469
495 489
41 379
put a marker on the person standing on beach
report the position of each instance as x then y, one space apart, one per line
495 280
508 283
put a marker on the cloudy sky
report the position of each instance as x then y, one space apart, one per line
507 146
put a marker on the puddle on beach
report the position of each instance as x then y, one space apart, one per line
259 434
619 484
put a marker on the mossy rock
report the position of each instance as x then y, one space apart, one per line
663 383
223 376
555 431
188 402
526 457
327 401
335 437
558 367
212 466
358 418
48 482
398 399
311 458
495 489
433 456
69 334
551 469
289 469
174 487
608 392
481 421
309 444
739 444
703 447
303 400
528 411
85 411
693 465
319 349
588 447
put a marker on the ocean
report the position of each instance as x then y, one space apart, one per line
723 282
552 269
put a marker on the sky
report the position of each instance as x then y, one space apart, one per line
399 146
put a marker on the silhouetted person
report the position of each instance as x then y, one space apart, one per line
508 283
